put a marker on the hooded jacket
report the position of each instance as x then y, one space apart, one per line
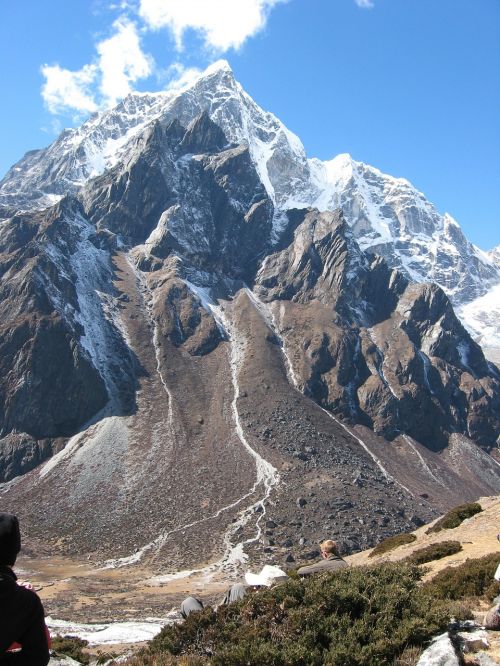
10 539
21 621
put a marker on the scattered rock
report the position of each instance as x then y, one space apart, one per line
417 521
473 641
62 660
301 502
482 659
492 618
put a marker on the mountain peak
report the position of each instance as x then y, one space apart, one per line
221 65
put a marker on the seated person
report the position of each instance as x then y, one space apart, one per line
331 560
191 605
235 593
270 575
22 618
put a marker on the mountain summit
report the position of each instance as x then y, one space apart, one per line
195 331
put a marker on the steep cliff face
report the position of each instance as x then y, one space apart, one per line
227 373
388 353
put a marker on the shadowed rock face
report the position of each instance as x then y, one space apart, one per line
385 353
48 386
186 336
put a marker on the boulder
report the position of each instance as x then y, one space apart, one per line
441 652
492 618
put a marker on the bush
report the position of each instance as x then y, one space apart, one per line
436 551
473 578
455 517
409 657
165 660
360 616
391 543
71 646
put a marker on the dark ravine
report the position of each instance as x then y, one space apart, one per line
177 332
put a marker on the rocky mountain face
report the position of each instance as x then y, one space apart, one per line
188 338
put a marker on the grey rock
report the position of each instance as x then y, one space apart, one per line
492 618
441 652
473 641
62 660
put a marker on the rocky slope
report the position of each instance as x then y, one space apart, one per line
224 372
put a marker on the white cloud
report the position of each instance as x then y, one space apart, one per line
365 4
120 62
64 90
179 76
224 24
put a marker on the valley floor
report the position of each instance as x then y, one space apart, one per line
133 602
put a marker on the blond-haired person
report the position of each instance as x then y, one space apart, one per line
330 560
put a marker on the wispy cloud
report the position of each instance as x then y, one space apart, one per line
223 24
365 4
64 90
119 63
122 62
178 76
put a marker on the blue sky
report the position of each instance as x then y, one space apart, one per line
409 86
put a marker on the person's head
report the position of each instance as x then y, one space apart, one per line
328 548
10 539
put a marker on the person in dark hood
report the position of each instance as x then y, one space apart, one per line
21 612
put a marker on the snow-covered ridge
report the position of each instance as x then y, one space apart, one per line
482 318
388 215
105 138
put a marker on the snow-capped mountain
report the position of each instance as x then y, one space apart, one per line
389 216
183 317
392 218
494 255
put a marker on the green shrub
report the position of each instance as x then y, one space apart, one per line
455 517
360 616
71 646
409 657
165 659
391 543
436 551
473 578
